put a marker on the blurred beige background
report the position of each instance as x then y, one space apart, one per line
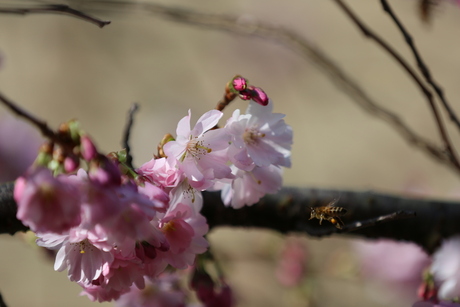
61 68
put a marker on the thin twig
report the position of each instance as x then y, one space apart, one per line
126 135
225 100
420 63
41 125
56 9
429 96
358 225
291 40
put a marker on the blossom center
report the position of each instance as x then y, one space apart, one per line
196 148
252 135
83 246
168 227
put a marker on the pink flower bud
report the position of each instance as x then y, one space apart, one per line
239 83
256 94
259 96
47 203
427 292
71 164
203 284
245 95
88 149
105 172
222 299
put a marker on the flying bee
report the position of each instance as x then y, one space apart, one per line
329 213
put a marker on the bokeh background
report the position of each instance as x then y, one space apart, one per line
60 68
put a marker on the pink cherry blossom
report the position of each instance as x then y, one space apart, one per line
47 203
185 194
83 260
113 226
446 268
292 263
163 291
435 304
249 187
200 151
397 265
101 294
259 138
162 172
157 196
122 274
184 231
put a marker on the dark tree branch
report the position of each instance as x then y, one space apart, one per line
429 96
8 221
126 134
370 215
2 302
390 216
420 63
56 9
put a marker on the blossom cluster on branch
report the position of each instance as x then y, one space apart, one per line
113 226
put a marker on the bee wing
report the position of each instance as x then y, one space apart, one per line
333 202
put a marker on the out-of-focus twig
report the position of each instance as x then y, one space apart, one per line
127 132
420 63
451 154
41 125
55 9
358 225
291 40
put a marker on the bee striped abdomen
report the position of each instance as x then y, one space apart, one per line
337 211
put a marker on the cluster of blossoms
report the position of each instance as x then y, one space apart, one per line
441 283
113 226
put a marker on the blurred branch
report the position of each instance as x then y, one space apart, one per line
56 9
295 42
306 49
370 215
2 302
420 63
429 96
126 134
41 125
